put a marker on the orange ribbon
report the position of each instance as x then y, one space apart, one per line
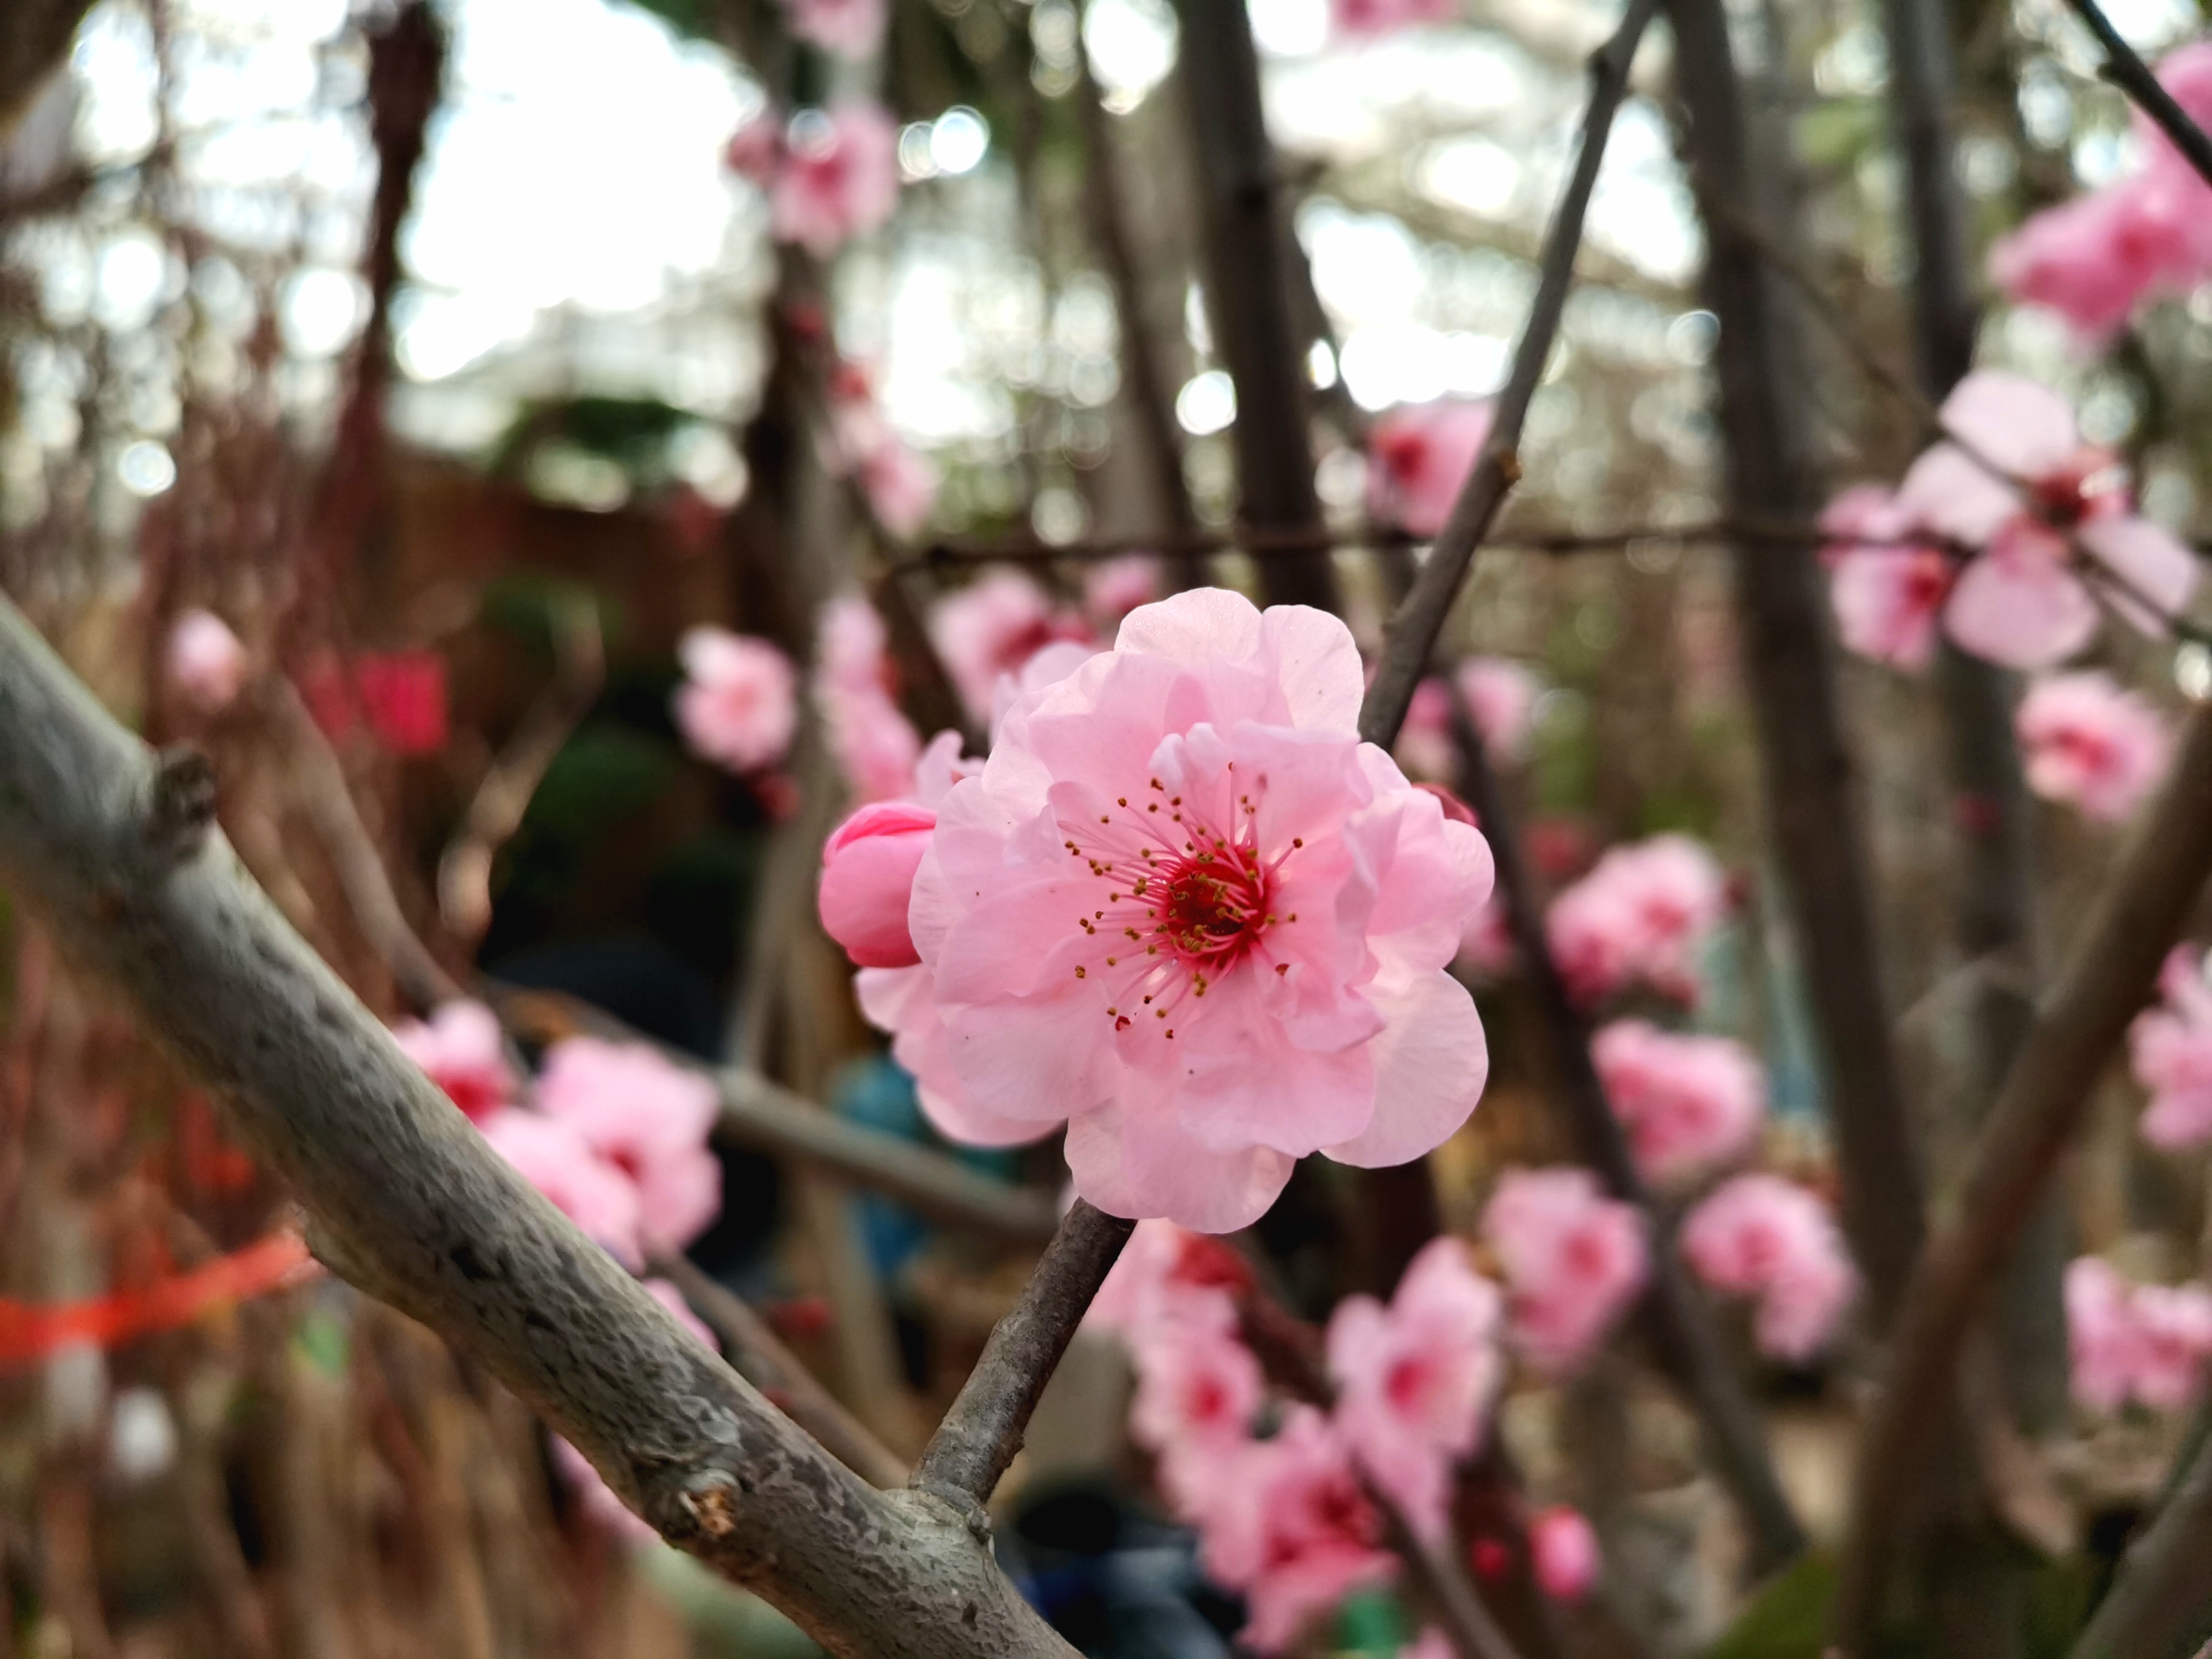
29 1331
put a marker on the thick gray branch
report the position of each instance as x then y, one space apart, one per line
407 1201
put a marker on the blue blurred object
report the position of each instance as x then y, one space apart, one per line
1116 1583
876 1093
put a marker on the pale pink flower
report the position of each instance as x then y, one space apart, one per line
2173 1323
1424 738
839 177
1887 598
1760 1236
853 29
1418 454
1687 1102
1185 910
1171 1285
901 485
594 1496
1369 20
1574 1261
1117 586
876 746
1415 1379
2171 1047
2085 740
1501 697
756 149
463 1051
1640 914
1563 1551
867 879
1430 1643
204 662
1196 1399
649 1117
554 1156
1292 1530
2095 259
992 627
2145 1343
739 705
2026 600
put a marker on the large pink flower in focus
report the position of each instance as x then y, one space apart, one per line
1760 1236
1688 1102
1639 915
839 176
461 1049
554 1156
2086 740
648 1117
1187 911
853 29
2171 1049
204 662
992 627
1415 1379
1574 1261
739 704
2025 600
1418 454
1888 598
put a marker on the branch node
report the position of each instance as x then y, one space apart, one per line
179 804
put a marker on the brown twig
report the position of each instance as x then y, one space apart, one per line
1419 621
983 1430
2142 911
2160 1606
496 810
758 1355
2128 72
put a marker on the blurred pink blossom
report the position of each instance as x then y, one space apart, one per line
838 177
1564 1553
1170 1283
992 627
463 1051
2145 1343
1186 910
1418 454
1355 19
756 149
1763 1236
404 695
867 879
876 746
2085 740
1415 1379
1112 590
1430 1643
1887 598
1639 915
204 662
1196 1398
853 29
553 1156
2171 1047
1687 1102
1500 696
650 1119
1574 1261
739 705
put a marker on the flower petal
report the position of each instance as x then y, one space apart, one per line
1430 1063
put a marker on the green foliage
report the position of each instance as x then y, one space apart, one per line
1788 1618
1372 1624
523 603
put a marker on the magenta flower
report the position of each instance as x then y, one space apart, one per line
2145 1343
204 662
739 705
1574 1261
1687 1102
852 29
2027 601
2086 741
1563 1550
1415 1379
554 1156
2171 1049
991 629
1186 911
648 1117
463 1051
1763 1236
1418 454
867 879
1369 20
1638 916
838 177
1887 598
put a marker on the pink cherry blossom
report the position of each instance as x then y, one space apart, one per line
554 1156
1167 1285
1574 1261
463 1051
1688 1102
2029 599
1186 911
867 879
2145 1343
739 705
1887 598
2095 259
1357 20
1195 1402
756 149
2086 741
1414 1380
1418 454
649 1118
594 1496
1501 697
2171 1047
901 485
853 29
992 627
1564 1553
1425 741
839 177
1639 915
2173 1324
876 746
204 662
1292 1530
1763 1236
1112 590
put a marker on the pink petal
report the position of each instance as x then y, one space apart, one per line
2022 610
2020 426
1159 1171
2157 574
1430 1063
1954 495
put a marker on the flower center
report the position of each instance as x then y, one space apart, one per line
1214 906
2091 484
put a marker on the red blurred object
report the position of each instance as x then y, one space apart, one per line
1208 1261
404 693
691 521
28 1332
1560 849
329 700
1977 815
211 1164
806 319
1490 1559
801 1317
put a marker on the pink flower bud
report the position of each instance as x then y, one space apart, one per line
867 876
1563 1548
204 661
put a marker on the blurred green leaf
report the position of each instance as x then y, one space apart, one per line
1788 1618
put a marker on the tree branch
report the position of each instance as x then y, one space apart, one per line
980 1434
2128 72
1418 621
2140 915
2157 1607
407 1201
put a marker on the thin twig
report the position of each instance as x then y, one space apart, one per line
983 1430
758 1355
1421 619
2128 72
2143 908
1441 1572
